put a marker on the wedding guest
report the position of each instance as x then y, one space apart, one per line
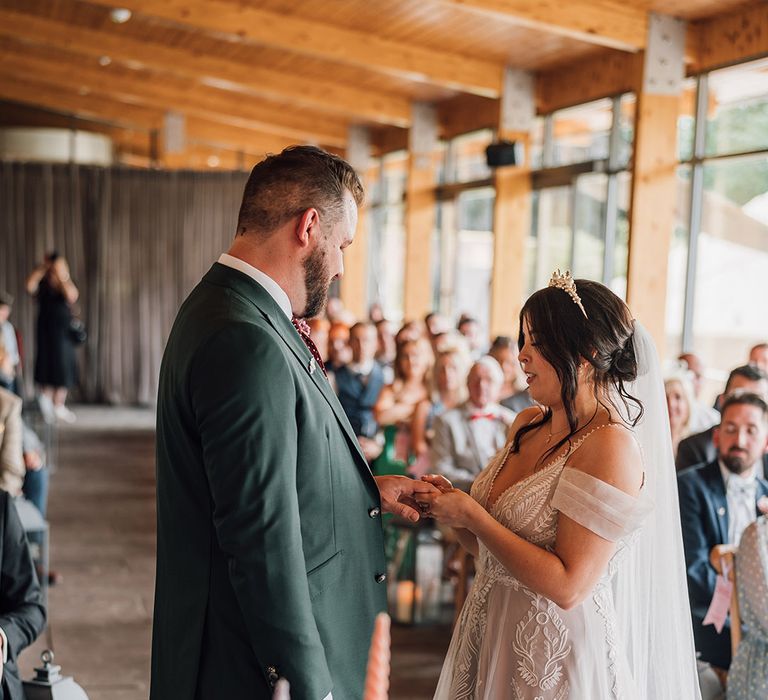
339 353
55 366
758 356
22 610
387 348
470 329
700 448
466 437
702 416
397 401
514 393
358 385
9 344
748 675
449 388
718 501
679 392
11 452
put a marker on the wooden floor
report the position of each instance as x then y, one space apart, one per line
102 515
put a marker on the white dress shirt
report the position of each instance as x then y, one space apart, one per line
741 496
273 289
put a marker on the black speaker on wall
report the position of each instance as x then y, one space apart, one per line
503 153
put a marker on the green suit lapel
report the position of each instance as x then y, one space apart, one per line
251 290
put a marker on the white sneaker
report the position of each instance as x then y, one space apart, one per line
64 414
46 408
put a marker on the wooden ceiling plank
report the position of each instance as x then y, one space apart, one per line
728 39
328 41
206 102
602 76
331 96
615 25
40 94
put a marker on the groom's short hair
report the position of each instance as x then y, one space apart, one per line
285 185
745 398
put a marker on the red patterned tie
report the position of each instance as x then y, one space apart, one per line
302 328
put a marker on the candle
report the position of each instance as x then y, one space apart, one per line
377 673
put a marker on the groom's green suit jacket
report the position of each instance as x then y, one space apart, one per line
269 540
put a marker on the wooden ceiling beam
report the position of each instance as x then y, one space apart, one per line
601 76
54 97
333 97
327 41
728 39
616 25
162 92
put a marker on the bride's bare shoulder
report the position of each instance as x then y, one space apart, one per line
611 454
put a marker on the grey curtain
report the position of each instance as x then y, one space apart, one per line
137 241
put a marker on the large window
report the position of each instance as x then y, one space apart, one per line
581 193
724 177
387 236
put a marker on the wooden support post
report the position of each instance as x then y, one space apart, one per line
652 209
420 214
512 209
353 290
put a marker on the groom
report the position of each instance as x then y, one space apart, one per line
270 558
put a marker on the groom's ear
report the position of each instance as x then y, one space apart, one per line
307 227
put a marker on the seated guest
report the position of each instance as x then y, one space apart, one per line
748 676
22 613
385 353
468 436
11 452
700 449
758 356
449 382
679 391
358 385
514 392
338 347
703 417
718 501
9 343
397 401
470 329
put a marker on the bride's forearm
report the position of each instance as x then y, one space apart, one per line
467 540
535 567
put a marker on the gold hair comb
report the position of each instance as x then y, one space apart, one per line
568 285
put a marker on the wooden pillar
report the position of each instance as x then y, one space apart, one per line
353 288
420 213
652 208
512 209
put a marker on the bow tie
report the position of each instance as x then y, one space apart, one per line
479 416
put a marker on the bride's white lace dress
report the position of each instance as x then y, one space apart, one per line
512 643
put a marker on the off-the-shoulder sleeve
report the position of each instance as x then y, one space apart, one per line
605 510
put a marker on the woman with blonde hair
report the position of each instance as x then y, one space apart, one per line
678 389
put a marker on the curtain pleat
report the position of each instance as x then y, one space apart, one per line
137 242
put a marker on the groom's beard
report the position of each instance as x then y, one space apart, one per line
316 282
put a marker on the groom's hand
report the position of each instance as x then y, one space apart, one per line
399 495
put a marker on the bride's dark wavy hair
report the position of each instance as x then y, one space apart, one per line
565 338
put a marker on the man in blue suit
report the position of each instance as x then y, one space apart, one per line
717 502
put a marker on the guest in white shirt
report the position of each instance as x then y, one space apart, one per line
467 436
8 344
702 416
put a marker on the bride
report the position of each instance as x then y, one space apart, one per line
580 587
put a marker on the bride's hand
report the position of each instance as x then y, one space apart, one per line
439 482
454 507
